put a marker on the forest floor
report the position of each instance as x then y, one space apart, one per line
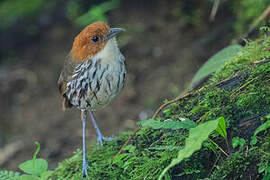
162 55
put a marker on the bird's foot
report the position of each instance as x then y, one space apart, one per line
101 138
84 168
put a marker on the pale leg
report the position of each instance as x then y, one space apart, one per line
100 137
85 163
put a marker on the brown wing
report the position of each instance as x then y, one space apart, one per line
64 78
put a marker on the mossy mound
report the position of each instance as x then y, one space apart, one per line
239 92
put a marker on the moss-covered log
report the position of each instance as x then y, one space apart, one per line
239 92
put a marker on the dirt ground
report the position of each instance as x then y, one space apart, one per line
162 54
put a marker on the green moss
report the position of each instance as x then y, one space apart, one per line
255 51
150 151
241 163
235 166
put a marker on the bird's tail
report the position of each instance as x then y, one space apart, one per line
66 103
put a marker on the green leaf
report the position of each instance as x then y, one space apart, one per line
168 124
28 177
119 159
216 62
167 112
262 127
268 169
261 169
266 176
253 140
130 148
97 13
45 175
34 167
236 141
267 172
221 129
193 143
210 146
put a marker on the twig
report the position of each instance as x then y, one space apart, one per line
161 137
213 165
214 10
170 102
244 85
265 13
257 63
218 147
249 121
254 25
126 143
261 62
203 116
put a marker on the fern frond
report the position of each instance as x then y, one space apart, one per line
9 175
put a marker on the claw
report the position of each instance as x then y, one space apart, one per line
101 138
84 168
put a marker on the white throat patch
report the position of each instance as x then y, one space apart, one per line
110 51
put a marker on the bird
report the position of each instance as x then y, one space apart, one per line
92 75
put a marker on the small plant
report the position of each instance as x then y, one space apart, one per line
236 141
97 13
264 168
261 128
221 129
197 136
35 169
167 112
9 175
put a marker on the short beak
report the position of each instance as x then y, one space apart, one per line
113 32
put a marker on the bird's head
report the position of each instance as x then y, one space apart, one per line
91 40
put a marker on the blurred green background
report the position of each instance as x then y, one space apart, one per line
22 20
166 42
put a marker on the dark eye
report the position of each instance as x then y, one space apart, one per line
95 39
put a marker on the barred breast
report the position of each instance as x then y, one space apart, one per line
96 82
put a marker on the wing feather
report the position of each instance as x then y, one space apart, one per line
64 78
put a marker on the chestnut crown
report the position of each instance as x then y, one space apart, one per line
87 44
91 40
